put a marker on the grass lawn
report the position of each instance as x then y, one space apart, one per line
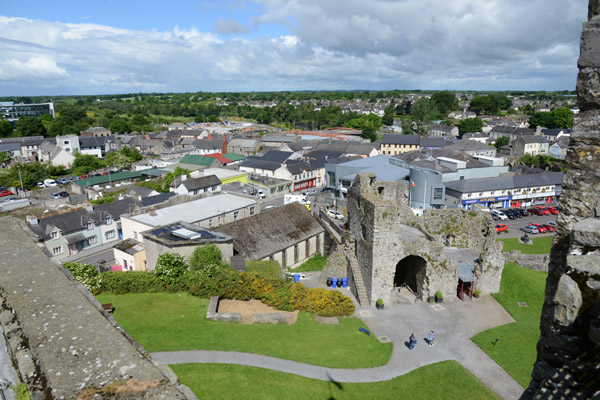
264 268
445 380
541 245
315 263
177 321
516 347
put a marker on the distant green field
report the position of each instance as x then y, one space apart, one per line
541 245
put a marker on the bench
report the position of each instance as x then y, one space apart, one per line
108 307
368 332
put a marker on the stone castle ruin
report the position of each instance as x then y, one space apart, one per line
390 249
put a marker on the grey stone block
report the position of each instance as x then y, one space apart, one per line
269 318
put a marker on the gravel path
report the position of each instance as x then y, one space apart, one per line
454 324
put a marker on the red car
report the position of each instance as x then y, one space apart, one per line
540 227
544 210
501 228
553 210
549 227
6 193
535 211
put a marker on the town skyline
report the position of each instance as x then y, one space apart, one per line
242 46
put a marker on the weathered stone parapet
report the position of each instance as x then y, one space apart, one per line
60 342
536 262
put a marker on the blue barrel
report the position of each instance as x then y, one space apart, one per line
296 277
334 282
344 282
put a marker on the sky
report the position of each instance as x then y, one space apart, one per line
71 47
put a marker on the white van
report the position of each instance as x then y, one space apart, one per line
50 183
499 214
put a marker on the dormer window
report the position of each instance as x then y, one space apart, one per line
54 234
108 220
90 225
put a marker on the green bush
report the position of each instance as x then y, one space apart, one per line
170 267
379 302
121 282
86 274
207 256
438 295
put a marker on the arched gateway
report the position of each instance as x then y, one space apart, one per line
411 272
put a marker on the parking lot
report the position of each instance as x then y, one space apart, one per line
515 225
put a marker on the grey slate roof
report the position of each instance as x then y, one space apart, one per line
435 141
202 182
271 231
260 164
298 167
92 141
159 198
469 145
277 156
413 156
413 140
216 144
316 154
135 190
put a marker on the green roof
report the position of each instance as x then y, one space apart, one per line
234 156
119 176
197 160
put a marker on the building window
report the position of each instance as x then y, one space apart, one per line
210 222
90 225
108 221
54 235
135 235
251 210
235 215
92 239
437 193
481 194
57 250
110 234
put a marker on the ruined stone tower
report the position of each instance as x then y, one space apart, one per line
568 364
391 248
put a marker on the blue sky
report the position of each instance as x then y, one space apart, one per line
93 47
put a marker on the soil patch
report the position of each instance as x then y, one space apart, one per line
248 308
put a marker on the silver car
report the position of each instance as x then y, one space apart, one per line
530 229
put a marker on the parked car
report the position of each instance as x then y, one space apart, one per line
553 210
10 199
518 211
552 223
530 229
40 185
6 193
522 211
544 210
50 183
511 214
535 211
501 216
501 228
260 194
55 196
335 214
62 181
64 194
549 227
540 227
310 192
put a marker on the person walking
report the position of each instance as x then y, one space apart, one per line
431 338
412 341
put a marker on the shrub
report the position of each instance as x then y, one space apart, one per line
207 256
379 302
170 267
438 295
199 284
86 274
121 282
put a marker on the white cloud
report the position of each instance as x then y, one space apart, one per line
334 44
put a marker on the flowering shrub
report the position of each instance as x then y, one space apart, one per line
86 274
170 267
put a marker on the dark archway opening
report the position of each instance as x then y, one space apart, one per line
410 272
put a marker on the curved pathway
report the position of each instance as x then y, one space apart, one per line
454 325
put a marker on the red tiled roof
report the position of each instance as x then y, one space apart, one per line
220 157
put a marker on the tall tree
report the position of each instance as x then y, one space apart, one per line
29 126
469 125
6 129
445 102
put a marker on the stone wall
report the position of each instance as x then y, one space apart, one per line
536 262
59 338
569 347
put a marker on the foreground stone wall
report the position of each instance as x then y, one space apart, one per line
568 364
58 337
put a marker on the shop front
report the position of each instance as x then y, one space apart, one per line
533 199
490 202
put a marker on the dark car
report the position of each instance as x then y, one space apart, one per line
511 214
521 212
63 194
